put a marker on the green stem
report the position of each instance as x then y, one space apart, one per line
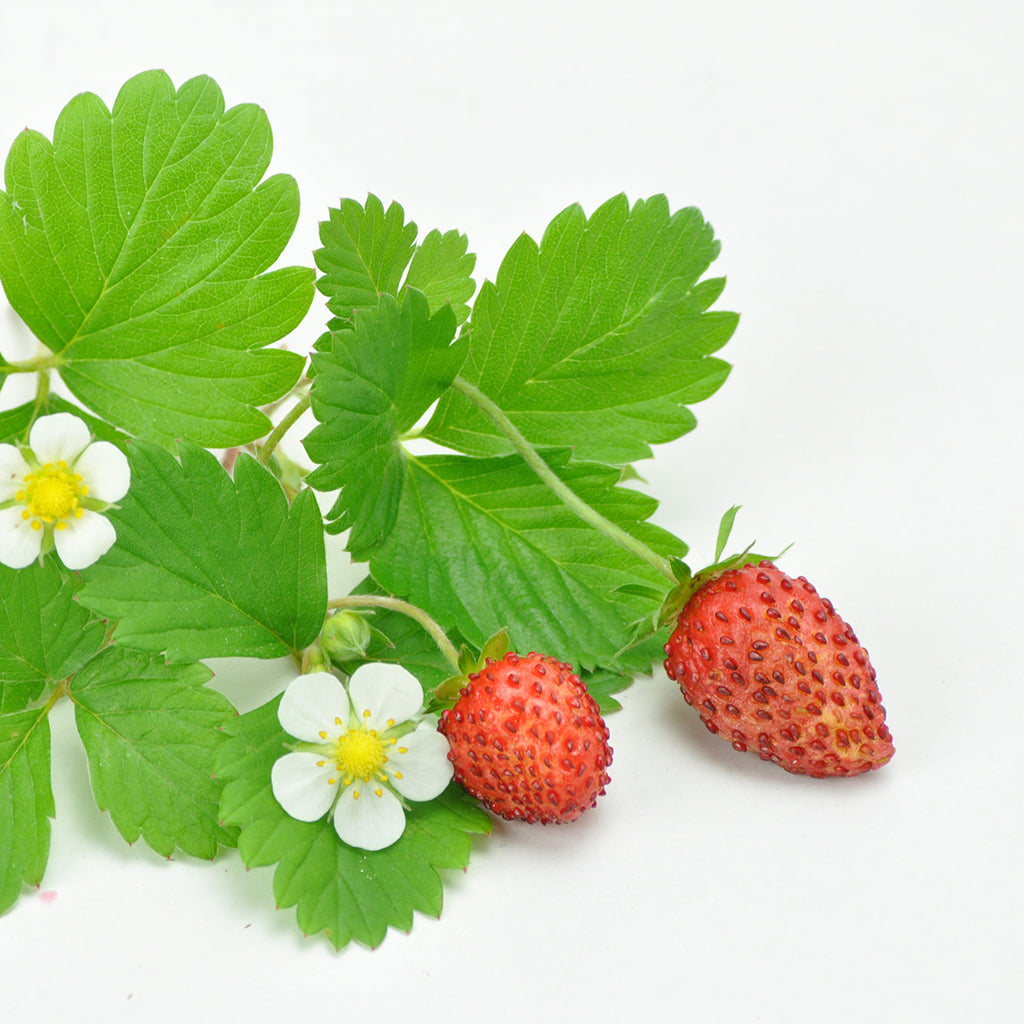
395 604
62 689
51 362
287 421
42 396
568 497
42 388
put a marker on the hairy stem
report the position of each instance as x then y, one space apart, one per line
42 396
287 421
568 497
417 614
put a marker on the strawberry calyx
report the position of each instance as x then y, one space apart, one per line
447 692
689 582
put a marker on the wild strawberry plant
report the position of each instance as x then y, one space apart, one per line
138 246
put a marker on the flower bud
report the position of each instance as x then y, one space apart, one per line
345 636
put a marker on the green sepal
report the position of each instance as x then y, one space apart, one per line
680 569
494 649
690 583
639 590
724 529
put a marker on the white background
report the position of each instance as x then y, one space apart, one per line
862 165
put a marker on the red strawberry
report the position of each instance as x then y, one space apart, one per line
528 740
769 665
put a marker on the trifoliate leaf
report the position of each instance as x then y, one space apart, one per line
367 249
45 634
134 247
347 893
371 384
151 731
210 566
599 338
26 802
483 544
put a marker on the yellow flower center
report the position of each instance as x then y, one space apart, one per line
360 754
52 495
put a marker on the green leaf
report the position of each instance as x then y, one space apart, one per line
45 634
347 893
598 339
366 250
483 544
151 732
371 384
26 802
14 422
602 684
647 652
134 246
441 269
210 566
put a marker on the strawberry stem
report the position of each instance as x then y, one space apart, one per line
274 437
395 604
566 495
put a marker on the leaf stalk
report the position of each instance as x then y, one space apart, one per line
395 604
533 459
53 361
287 422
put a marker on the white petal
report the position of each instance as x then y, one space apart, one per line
424 766
19 543
388 692
13 470
372 820
300 784
104 469
310 706
84 540
56 437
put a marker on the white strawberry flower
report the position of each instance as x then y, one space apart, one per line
53 493
362 751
